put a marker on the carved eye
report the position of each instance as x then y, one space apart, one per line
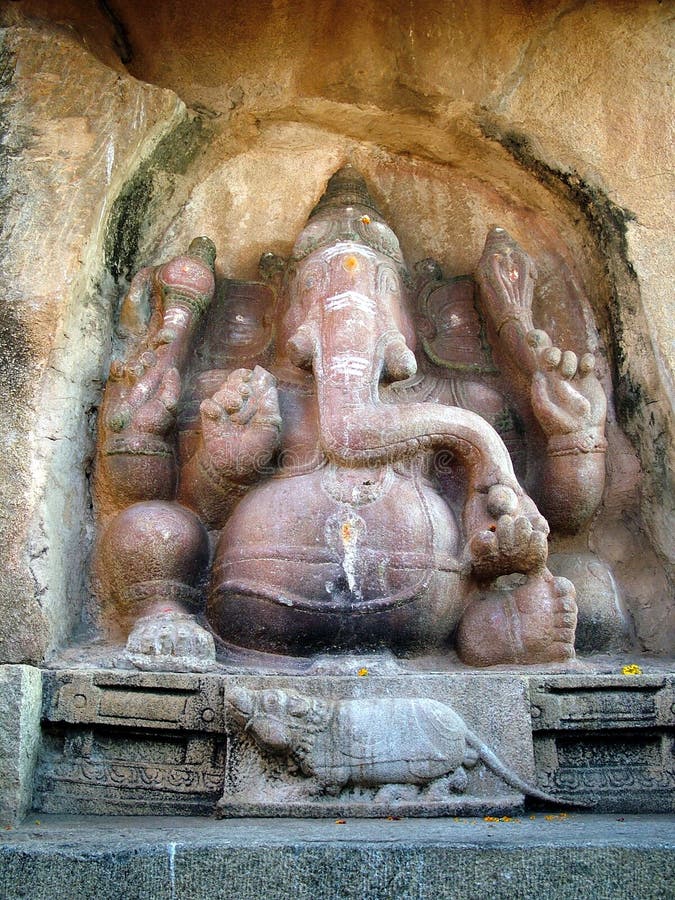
270 702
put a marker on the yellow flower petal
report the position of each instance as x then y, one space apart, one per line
631 669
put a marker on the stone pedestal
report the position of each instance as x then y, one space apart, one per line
453 743
137 743
607 739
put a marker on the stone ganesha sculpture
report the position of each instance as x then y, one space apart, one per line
395 741
317 477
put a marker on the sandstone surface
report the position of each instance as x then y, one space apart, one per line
76 134
552 119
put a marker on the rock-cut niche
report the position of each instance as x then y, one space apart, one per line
359 452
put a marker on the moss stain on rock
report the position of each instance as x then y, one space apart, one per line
133 211
15 349
7 68
607 221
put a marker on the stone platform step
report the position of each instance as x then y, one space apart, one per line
604 857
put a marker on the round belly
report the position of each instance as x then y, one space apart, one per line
336 558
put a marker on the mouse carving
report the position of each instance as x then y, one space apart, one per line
384 743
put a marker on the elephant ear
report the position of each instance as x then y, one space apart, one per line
453 334
271 734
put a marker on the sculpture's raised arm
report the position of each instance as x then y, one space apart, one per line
566 398
152 553
136 426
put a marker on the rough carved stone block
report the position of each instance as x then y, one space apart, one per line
607 738
20 708
174 743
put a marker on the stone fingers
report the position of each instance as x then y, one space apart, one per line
230 399
557 389
550 358
262 406
505 534
537 549
154 417
538 339
244 398
568 364
501 499
571 399
169 390
586 364
565 363
483 545
552 419
515 545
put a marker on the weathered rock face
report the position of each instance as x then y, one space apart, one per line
76 135
457 119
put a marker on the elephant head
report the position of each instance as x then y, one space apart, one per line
347 321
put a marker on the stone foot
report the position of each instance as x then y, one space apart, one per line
170 641
533 622
455 783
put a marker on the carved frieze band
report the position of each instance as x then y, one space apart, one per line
566 702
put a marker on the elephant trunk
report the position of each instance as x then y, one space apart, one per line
349 351
358 429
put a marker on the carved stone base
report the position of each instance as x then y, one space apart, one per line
321 746
355 807
123 742
420 746
606 738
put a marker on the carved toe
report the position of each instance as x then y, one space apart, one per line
170 642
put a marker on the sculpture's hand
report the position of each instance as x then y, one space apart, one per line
570 406
517 544
567 397
506 275
146 399
161 310
136 462
241 424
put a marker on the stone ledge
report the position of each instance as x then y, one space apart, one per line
561 856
